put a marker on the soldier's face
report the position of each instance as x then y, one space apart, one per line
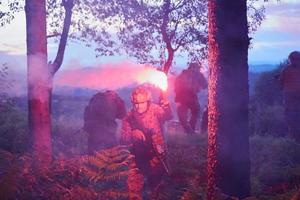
141 107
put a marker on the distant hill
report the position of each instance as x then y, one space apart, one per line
73 91
253 77
261 67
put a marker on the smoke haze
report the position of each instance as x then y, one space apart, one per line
108 76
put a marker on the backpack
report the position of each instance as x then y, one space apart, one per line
103 108
190 81
181 82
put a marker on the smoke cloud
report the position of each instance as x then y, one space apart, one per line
106 76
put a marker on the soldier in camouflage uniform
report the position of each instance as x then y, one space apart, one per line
290 81
187 85
100 120
142 132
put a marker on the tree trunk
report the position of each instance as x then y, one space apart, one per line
39 77
168 64
228 137
166 36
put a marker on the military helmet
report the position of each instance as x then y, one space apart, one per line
294 57
140 95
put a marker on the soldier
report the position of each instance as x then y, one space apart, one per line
187 85
142 132
100 120
290 81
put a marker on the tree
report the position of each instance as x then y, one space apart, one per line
228 138
38 79
88 25
41 73
164 27
154 30
8 9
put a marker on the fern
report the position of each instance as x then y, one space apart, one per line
193 191
87 177
8 183
12 167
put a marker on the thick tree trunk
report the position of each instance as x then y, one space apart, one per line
228 139
39 77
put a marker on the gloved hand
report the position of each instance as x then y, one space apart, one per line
160 150
163 100
138 135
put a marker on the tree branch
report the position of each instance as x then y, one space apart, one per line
180 42
179 5
173 33
68 6
166 10
53 35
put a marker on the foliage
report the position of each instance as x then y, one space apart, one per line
68 141
152 31
164 26
87 177
187 158
68 138
13 129
8 10
5 86
88 25
255 15
267 89
13 122
266 105
275 167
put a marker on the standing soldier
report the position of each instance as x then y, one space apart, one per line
290 81
187 85
142 132
100 120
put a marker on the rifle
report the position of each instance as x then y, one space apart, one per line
148 134
162 160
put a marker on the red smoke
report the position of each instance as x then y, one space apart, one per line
106 76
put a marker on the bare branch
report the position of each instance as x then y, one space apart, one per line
179 5
68 6
53 35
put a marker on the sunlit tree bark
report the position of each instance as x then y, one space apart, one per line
41 73
228 139
38 79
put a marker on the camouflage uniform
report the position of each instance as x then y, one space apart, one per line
290 80
100 120
147 152
187 85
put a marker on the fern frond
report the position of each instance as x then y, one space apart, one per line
115 194
193 191
116 176
8 183
95 162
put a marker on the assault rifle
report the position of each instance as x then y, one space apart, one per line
162 159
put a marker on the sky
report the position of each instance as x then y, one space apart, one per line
278 35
